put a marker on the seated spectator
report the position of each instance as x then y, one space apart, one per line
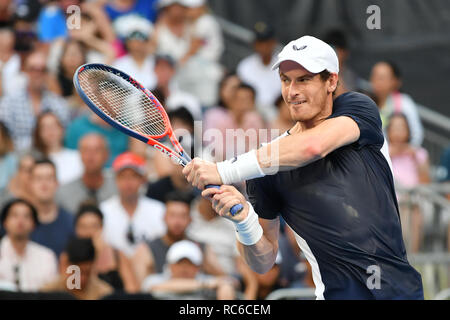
150 256
348 79
199 70
24 263
10 63
385 79
19 186
139 62
235 130
183 277
55 224
8 159
283 121
51 22
218 234
411 167
85 285
19 110
256 70
48 141
111 264
90 123
95 184
118 8
131 218
269 281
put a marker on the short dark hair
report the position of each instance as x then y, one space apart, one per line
178 196
324 76
183 114
88 207
336 38
43 161
7 208
246 86
394 68
80 250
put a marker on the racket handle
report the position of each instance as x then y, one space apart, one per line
234 209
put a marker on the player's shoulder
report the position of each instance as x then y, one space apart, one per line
356 101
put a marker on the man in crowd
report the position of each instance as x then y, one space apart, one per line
55 224
95 183
130 217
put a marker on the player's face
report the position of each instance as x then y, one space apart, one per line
305 93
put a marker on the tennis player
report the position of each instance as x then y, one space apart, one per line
330 180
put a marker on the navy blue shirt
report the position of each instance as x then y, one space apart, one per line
344 212
55 235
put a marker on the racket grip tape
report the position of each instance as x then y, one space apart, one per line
234 209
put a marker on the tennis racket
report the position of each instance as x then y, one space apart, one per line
126 105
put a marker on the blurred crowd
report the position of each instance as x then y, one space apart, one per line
78 195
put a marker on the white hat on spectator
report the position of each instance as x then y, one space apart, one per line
165 3
184 249
311 53
133 25
193 3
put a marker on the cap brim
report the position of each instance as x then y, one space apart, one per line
309 65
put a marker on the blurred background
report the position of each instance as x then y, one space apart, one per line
80 193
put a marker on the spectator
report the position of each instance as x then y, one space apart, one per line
8 159
139 62
199 70
217 233
385 79
79 253
23 263
150 257
10 63
348 79
269 281
237 128
111 264
411 168
90 123
184 259
118 8
48 141
55 224
51 22
19 111
172 35
19 186
256 70
95 184
174 97
283 121
171 176
131 218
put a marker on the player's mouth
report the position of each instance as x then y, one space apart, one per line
297 103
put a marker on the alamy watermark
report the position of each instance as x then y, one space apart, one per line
374 280
73 20
374 20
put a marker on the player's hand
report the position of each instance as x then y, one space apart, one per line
201 173
224 198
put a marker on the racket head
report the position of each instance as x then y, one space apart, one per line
105 91
100 87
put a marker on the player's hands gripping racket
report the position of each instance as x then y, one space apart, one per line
127 106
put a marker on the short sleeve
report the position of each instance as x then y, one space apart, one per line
263 198
364 112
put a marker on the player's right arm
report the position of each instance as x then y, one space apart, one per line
257 237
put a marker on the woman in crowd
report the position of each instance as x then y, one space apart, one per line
411 168
48 141
112 265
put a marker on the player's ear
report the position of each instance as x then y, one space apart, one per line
333 82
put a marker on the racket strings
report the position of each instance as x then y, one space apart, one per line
121 101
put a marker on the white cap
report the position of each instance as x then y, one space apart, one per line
126 25
193 3
311 53
184 249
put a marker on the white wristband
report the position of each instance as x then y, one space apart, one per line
243 167
249 231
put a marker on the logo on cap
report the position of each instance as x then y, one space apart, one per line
297 48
